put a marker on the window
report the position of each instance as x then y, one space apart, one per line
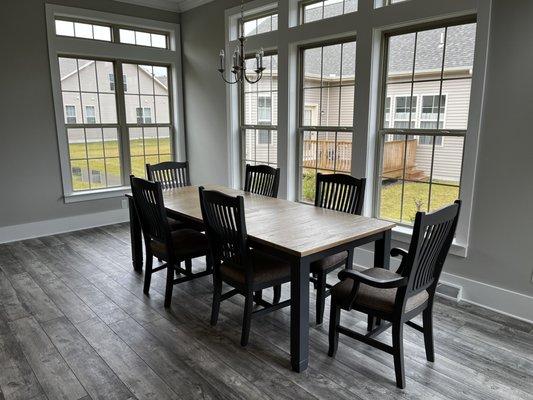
259 24
384 3
142 38
82 30
144 115
70 114
112 82
259 114
326 128
428 79
93 150
90 114
317 10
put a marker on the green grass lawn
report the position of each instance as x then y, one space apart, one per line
415 197
111 163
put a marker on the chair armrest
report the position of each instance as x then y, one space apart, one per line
359 277
398 252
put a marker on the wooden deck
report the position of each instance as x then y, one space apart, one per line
74 324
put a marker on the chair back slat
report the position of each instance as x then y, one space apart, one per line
225 224
340 192
171 174
262 179
148 200
432 238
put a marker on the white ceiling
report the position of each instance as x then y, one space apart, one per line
169 5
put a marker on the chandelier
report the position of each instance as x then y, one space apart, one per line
239 61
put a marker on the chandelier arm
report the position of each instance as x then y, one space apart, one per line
259 76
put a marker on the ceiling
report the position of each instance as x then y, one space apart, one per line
169 5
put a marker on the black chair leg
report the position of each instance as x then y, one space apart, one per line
209 263
247 318
258 296
188 265
277 294
217 292
320 297
371 322
148 273
334 319
169 286
397 344
427 319
178 265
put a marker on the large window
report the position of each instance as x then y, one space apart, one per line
424 121
314 10
326 127
259 114
92 120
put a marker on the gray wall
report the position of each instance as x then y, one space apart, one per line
29 159
501 236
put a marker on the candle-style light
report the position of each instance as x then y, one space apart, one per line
239 61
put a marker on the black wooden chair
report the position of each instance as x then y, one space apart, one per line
397 297
235 263
262 179
171 174
339 192
173 247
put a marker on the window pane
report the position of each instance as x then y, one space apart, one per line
460 44
429 54
102 33
448 160
415 198
309 145
142 38
347 106
391 199
312 67
348 63
313 12
113 171
151 145
442 196
90 101
127 36
146 79
311 103
262 24
95 145
326 9
64 28
82 30
159 41
400 56
164 140
331 68
76 143
308 185
132 105
333 8
136 141
79 172
111 144
162 110
457 103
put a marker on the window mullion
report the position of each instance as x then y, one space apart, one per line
125 159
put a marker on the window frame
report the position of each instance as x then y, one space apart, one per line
243 127
119 53
301 128
403 228
303 3
258 15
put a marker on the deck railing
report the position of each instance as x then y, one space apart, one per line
322 154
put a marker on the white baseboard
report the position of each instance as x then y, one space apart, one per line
61 225
503 301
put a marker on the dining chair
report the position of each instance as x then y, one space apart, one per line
171 246
398 297
173 174
339 192
262 179
245 269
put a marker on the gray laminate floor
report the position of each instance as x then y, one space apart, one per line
74 324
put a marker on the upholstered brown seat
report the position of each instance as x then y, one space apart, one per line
327 263
372 297
188 243
266 268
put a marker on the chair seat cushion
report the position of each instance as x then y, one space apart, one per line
187 243
266 268
374 298
328 262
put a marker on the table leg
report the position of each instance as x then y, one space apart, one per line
382 251
300 315
136 237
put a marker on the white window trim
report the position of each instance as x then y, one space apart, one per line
368 24
72 46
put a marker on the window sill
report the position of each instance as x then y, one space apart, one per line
403 234
96 194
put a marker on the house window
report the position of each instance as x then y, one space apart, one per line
327 87
90 115
82 30
259 114
144 115
142 38
384 3
70 114
428 77
112 82
259 24
317 10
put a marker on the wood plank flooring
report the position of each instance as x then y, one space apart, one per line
74 324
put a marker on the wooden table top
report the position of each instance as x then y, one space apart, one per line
296 228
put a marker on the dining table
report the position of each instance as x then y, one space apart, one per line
296 232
